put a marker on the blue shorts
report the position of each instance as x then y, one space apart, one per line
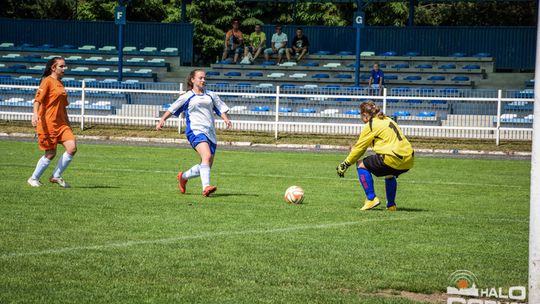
194 140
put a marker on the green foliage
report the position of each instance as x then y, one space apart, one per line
124 234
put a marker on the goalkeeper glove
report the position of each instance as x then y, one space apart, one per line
341 168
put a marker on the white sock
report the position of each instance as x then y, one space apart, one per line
191 173
205 175
63 163
42 165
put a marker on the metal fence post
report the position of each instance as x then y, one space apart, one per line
277 114
499 103
384 100
83 100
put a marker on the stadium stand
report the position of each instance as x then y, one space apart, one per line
410 69
146 64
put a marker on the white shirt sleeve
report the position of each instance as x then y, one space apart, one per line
177 107
219 105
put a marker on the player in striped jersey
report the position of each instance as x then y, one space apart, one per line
394 155
199 105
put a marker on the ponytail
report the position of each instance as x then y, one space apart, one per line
189 83
372 109
49 65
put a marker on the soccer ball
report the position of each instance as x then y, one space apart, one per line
294 195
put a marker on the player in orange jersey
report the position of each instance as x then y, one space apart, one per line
52 125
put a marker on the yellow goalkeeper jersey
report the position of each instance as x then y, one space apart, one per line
387 139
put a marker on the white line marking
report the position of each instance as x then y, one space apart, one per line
194 237
405 181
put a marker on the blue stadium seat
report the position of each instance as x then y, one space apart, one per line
307 110
365 76
437 101
166 106
332 86
401 113
344 53
353 112
450 90
471 67
389 53
425 90
424 66
17 67
529 93
254 74
27 45
413 101
482 55
382 65
311 64
343 76
226 61
46 46
390 77
267 63
212 73
448 66
285 110
436 78
411 54
243 84
67 47
400 66
457 55
321 75
413 78
529 83
288 86
323 53
400 90
260 109
232 74
32 56
461 78
221 84
426 114
392 100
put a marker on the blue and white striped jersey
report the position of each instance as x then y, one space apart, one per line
198 110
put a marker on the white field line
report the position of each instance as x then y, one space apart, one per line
407 181
204 235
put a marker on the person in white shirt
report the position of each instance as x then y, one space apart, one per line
198 105
279 45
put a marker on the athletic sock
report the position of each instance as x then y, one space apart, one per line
63 163
205 175
193 172
391 189
42 165
367 183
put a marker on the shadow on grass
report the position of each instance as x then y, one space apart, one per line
400 209
97 187
232 194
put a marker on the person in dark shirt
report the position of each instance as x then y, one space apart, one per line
300 45
376 79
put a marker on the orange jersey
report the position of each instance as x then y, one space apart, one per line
52 98
237 34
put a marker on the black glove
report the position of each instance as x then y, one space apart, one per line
341 168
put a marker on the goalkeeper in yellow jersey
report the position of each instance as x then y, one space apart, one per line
394 155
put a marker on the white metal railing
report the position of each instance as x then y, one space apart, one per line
465 114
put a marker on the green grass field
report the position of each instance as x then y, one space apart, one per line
124 234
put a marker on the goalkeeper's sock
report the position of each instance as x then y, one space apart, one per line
367 183
41 166
391 189
205 175
193 172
